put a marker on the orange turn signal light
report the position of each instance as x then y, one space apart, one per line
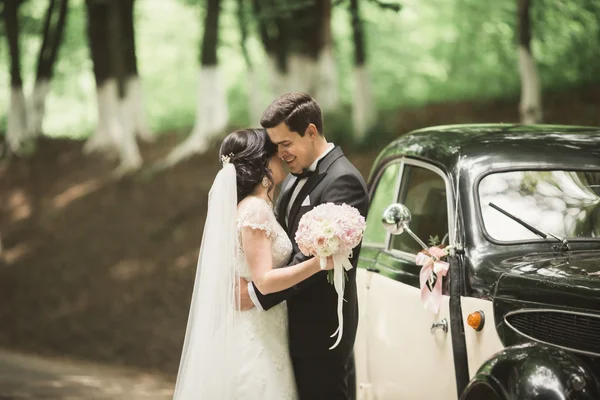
476 320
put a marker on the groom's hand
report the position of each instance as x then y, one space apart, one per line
245 300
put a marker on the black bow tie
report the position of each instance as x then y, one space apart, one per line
308 173
305 174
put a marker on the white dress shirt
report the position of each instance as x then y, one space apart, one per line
313 167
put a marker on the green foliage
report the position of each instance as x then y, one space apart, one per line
430 51
434 241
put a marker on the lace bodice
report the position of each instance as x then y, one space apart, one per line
256 213
265 369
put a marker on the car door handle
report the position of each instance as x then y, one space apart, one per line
373 269
443 325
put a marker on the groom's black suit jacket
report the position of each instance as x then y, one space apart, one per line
312 304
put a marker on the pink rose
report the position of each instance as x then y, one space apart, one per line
436 252
320 242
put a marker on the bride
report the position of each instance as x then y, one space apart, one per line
229 354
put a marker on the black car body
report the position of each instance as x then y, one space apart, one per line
536 287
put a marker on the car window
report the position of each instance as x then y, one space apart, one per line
383 196
424 193
565 203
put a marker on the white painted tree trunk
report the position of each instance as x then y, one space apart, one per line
17 120
315 77
530 107
278 81
134 109
303 74
107 101
256 102
113 132
37 107
363 106
212 116
327 90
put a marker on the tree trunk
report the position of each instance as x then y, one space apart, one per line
297 38
17 117
306 44
255 92
107 99
530 107
327 91
133 106
212 113
53 35
363 109
104 31
275 40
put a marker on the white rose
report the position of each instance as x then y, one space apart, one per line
333 244
328 231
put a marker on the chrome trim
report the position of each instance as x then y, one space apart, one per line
449 196
543 310
388 236
443 325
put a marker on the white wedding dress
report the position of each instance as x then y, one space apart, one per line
229 354
265 370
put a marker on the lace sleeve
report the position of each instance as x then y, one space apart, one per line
256 214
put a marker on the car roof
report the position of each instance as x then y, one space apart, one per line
449 145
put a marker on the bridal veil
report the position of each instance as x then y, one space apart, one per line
205 369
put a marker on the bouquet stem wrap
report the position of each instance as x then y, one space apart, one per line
341 262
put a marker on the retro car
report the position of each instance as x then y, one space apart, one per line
517 211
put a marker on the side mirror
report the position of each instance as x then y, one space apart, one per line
396 218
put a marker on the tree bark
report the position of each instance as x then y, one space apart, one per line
327 90
97 19
357 34
254 90
125 11
17 118
212 112
210 39
275 39
114 130
133 106
530 107
53 35
297 38
363 108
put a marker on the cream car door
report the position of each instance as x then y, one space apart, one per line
406 358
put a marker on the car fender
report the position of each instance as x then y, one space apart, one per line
534 372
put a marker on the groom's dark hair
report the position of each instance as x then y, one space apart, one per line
297 110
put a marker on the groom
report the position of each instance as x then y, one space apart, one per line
320 173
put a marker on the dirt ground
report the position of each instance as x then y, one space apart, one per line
24 377
102 270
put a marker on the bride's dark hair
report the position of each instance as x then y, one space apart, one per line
252 150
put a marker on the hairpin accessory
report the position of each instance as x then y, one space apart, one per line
226 159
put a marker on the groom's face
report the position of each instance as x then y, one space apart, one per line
297 152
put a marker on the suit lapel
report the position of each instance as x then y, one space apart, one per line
312 182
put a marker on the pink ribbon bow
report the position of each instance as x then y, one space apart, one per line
432 299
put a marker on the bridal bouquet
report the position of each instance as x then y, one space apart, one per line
332 230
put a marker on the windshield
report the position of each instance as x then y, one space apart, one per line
566 203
